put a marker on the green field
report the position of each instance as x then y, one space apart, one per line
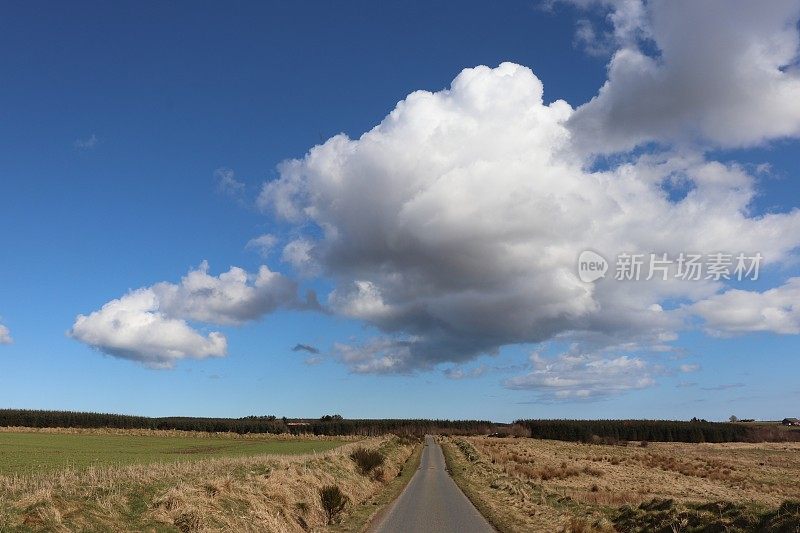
26 453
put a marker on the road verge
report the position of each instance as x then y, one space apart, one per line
369 512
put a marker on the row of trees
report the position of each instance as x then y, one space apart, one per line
417 428
637 430
73 419
569 430
327 425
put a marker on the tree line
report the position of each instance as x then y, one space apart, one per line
694 430
332 425
603 431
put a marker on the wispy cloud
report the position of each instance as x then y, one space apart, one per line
724 386
227 182
575 376
263 244
86 143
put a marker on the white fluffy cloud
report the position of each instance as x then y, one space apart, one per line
454 227
739 311
134 327
5 335
150 325
231 298
581 376
723 72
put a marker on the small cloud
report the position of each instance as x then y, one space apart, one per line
686 384
227 182
460 373
689 368
313 361
300 254
724 386
155 325
763 168
263 244
306 348
86 144
576 376
214 376
5 335
590 41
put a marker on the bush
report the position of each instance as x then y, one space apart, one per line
333 501
367 460
188 522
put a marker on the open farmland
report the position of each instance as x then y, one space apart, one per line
265 492
543 485
29 451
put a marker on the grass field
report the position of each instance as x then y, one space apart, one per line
255 493
542 485
36 452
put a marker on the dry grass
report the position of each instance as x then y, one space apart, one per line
538 485
260 493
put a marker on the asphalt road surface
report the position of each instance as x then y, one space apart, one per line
432 502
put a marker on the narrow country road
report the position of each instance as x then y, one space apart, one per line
432 502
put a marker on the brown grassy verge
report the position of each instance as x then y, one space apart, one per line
261 493
368 511
535 485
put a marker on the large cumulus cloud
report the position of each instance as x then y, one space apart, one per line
454 226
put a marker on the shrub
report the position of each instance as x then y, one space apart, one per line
333 501
188 522
367 460
379 475
407 440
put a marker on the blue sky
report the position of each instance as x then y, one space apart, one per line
117 118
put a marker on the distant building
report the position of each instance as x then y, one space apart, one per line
791 422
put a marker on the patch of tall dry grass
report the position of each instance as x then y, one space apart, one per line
540 485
